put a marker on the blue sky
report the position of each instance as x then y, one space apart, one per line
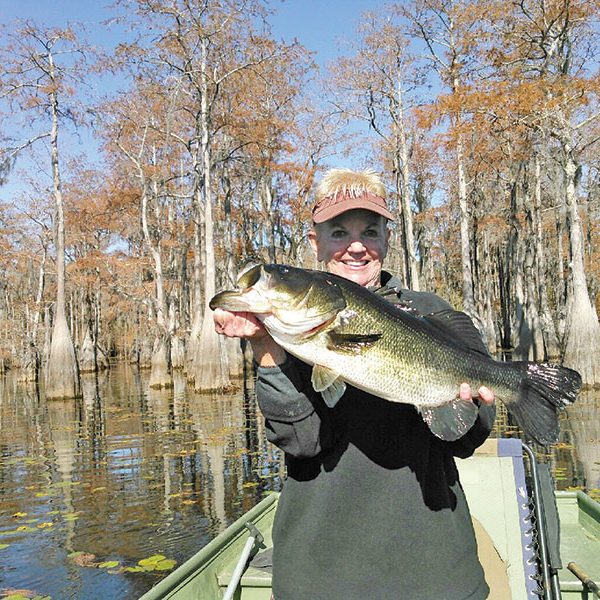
320 25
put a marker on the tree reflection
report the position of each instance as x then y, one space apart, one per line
584 422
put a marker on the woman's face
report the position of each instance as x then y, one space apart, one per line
353 245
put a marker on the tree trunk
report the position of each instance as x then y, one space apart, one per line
465 246
486 295
582 347
87 358
210 372
551 345
266 200
30 367
412 271
62 374
514 262
196 309
160 371
531 341
560 287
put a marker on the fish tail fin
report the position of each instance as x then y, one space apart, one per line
544 389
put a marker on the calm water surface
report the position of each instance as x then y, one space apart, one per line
122 474
126 473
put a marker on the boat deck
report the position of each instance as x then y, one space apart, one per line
579 540
493 481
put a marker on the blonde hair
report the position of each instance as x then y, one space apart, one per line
351 183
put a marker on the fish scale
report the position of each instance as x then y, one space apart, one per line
430 370
351 335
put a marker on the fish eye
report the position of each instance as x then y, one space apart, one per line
250 277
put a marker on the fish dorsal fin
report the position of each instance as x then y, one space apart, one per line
391 294
329 383
450 421
353 343
458 324
384 291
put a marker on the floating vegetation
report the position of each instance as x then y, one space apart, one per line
108 564
83 559
71 516
134 570
156 562
15 594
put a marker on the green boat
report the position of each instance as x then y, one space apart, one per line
533 542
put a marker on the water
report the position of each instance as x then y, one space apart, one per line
126 473
123 474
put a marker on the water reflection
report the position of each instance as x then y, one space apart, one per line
584 426
120 474
126 472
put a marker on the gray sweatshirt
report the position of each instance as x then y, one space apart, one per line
372 507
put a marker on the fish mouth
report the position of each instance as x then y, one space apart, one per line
289 303
240 301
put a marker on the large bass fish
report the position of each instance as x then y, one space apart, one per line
352 335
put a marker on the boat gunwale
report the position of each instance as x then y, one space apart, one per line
211 552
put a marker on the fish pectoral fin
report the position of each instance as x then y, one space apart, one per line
329 383
450 421
354 343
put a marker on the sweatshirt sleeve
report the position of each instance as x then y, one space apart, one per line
297 419
466 445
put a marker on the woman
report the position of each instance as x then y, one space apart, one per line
372 506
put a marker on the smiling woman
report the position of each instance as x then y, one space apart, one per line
350 233
353 245
361 452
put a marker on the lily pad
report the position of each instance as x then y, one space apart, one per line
109 564
157 562
165 565
21 594
25 529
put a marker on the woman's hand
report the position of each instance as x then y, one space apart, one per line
484 395
238 324
267 353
